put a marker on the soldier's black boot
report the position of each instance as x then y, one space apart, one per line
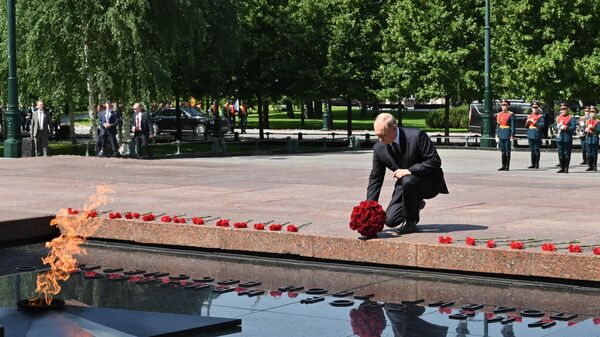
562 165
567 163
584 154
590 163
503 163
507 167
532 161
595 163
537 160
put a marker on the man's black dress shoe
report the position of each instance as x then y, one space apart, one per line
409 226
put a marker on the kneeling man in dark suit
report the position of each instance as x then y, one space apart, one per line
411 155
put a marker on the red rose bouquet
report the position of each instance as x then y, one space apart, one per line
491 244
115 215
198 221
149 217
166 218
367 322
596 250
177 219
92 214
292 228
72 211
367 218
259 226
574 248
470 241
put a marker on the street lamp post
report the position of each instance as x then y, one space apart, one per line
12 144
487 130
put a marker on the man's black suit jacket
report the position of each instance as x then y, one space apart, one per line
146 123
417 154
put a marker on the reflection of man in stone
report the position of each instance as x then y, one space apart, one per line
411 155
406 322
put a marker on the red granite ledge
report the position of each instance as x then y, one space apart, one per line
386 252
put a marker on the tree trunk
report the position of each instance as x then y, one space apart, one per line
266 113
349 115
318 108
261 129
178 118
363 110
400 110
310 112
72 134
330 113
92 94
447 118
302 112
289 107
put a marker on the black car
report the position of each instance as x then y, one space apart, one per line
193 122
520 108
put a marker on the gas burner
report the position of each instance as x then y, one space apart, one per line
40 305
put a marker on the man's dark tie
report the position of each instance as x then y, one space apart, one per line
395 147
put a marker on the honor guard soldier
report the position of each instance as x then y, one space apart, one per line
592 129
565 126
581 132
535 125
505 131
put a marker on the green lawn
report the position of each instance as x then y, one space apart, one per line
279 120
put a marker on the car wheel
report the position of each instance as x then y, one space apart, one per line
155 129
200 130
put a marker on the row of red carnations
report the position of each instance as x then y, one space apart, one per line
518 245
195 220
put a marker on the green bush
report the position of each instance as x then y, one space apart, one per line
459 118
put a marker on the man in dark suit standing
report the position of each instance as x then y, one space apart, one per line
41 124
411 155
141 128
109 120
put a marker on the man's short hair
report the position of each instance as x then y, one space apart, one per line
386 118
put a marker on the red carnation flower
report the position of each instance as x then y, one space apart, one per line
596 320
275 227
275 293
223 223
149 217
72 211
181 220
445 239
516 245
292 228
198 221
571 323
491 244
136 215
367 218
574 248
92 214
240 224
596 250
259 226
548 247
128 215
470 241
292 294
166 218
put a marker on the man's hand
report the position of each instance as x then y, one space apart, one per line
399 173
106 125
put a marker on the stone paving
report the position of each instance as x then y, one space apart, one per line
322 189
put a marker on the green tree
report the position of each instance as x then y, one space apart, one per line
434 49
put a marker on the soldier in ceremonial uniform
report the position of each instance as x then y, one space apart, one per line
592 129
565 126
535 125
505 131
581 132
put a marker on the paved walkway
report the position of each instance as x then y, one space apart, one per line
317 188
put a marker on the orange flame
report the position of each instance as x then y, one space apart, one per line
74 231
